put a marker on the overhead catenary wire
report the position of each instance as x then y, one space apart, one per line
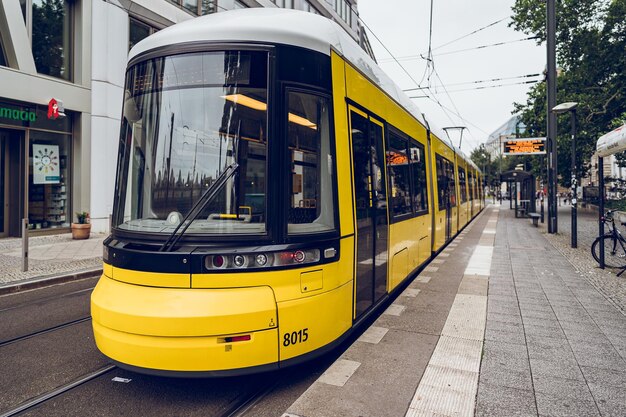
479 81
476 142
472 33
487 87
415 57
382 44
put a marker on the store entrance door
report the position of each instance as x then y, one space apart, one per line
11 181
4 205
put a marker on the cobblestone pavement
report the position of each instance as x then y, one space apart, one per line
49 256
554 343
605 281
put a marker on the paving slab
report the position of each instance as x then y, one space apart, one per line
554 339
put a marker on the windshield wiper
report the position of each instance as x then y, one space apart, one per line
197 208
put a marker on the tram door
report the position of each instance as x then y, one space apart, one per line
370 195
445 193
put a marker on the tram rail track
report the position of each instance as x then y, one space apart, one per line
241 405
40 301
40 399
44 331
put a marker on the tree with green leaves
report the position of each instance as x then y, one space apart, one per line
591 56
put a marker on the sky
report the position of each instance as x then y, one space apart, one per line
403 27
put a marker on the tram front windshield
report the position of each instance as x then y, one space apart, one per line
186 119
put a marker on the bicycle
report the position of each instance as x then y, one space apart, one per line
614 245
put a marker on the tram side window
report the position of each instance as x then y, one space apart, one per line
462 185
471 185
399 175
442 182
451 182
311 205
418 171
445 182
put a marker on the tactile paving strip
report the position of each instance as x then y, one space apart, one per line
450 381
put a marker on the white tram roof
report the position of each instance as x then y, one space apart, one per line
283 26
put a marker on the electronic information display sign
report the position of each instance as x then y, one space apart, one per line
524 146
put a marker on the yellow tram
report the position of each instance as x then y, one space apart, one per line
273 188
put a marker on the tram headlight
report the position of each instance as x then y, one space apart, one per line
299 256
239 261
261 259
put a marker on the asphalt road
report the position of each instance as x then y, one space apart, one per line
46 342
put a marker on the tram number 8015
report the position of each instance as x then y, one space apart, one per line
295 337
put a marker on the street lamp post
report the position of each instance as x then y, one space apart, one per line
563 108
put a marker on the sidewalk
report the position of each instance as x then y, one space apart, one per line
49 256
526 332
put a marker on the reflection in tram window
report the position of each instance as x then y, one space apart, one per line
462 187
418 171
399 177
187 118
445 183
311 207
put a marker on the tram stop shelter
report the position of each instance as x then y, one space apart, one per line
522 187
607 145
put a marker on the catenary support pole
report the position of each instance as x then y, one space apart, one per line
601 207
551 117
574 183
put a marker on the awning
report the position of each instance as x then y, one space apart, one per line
612 142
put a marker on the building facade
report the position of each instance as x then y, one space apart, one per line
62 67
512 128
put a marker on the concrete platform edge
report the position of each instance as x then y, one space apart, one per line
47 280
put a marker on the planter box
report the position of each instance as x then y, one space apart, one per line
81 231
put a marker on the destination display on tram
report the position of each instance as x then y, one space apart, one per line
525 146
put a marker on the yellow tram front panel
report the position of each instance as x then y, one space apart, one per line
285 313
182 329
187 354
150 279
310 323
286 283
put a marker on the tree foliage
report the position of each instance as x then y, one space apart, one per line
591 55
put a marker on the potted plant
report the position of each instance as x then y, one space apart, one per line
82 228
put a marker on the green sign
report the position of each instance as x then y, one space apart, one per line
17 114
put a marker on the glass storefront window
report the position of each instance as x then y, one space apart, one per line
23 7
52 37
137 32
191 5
3 60
48 180
224 5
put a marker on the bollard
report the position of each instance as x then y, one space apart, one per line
24 245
